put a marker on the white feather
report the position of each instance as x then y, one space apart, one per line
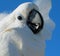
16 39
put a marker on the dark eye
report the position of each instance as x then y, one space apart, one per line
19 18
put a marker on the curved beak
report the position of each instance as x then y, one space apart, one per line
35 27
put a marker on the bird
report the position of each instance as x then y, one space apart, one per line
24 31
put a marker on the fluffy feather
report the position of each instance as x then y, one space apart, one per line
16 39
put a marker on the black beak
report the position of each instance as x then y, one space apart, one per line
35 27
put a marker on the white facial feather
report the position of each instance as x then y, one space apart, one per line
17 39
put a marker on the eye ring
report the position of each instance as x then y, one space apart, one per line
19 18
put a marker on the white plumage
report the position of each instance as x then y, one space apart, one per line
17 39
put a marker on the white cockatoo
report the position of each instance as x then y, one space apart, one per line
24 31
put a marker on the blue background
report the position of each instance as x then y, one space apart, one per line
52 46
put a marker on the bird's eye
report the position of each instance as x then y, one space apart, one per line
19 18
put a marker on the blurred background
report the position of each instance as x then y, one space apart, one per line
53 45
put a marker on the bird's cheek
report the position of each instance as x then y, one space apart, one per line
21 24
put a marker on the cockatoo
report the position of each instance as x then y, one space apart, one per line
24 31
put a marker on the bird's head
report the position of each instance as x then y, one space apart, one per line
32 25
28 14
